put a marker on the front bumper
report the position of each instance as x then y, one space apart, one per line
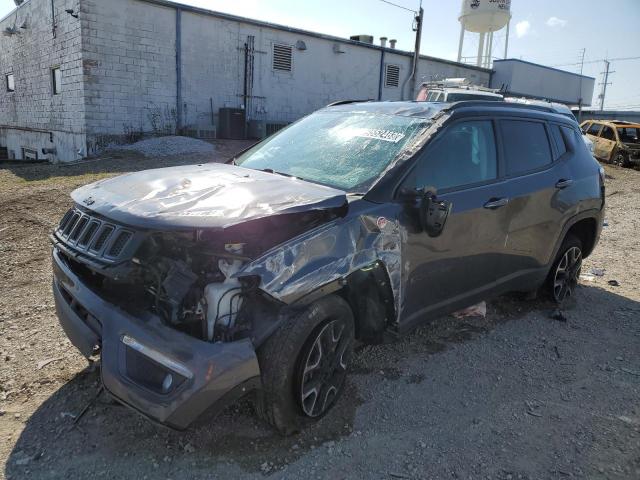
162 373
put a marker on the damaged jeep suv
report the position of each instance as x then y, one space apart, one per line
199 284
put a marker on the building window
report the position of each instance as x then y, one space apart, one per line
56 80
282 57
391 75
11 85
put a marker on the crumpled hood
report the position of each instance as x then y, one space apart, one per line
211 195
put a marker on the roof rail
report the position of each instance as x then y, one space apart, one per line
345 102
485 103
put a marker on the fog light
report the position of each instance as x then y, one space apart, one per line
158 357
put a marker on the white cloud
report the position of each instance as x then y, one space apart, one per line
523 28
556 22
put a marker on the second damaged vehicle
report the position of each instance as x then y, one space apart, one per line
199 284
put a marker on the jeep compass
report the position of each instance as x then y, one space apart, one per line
199 284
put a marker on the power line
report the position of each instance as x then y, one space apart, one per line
619 59
399 6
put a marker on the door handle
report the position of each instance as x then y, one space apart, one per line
563 183
494 203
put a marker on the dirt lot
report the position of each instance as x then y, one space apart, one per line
517 395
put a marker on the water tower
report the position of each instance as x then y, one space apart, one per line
484 17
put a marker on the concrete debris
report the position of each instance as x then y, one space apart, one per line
43 363
167 146
189 448
477 310
598 272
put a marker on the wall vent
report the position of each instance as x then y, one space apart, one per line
391 75
29 154
282 57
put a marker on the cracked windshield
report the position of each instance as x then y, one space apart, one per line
342 150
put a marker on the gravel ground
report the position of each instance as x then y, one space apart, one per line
167 146
515 395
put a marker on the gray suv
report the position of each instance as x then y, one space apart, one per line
197 285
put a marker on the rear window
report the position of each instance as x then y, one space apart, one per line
561 147
629 134
526 146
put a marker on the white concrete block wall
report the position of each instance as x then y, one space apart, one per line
129 68
32 116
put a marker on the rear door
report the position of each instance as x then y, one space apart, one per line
459 266
538 181
607 143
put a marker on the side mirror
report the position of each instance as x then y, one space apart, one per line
433 213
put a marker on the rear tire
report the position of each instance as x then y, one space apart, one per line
565 272
304 365
622 160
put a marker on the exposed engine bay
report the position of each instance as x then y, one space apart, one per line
187 277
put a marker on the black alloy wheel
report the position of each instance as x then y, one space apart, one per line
324 368
567 273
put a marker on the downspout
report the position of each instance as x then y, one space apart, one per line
53 20
178 71
381 76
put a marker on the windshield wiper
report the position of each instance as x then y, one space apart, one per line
271 170
275 172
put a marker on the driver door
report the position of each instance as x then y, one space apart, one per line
461 265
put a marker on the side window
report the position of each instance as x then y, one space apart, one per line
440 97
526 146
56 80
607 133
594 129
585 127
463 154
572 138
558 139
11 85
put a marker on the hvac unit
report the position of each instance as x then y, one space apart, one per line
231 123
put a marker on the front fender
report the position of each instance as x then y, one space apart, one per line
330 253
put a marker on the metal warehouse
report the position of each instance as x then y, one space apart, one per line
80 74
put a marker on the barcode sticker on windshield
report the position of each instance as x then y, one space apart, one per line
379 134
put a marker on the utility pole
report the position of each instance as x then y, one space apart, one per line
417 27
580 93
606 82
416 52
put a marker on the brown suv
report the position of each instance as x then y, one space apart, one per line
614 141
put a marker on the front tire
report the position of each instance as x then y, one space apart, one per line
304 365
565 272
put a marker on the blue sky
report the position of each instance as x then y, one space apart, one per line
552 32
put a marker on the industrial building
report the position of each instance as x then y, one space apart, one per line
85 73
78 75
